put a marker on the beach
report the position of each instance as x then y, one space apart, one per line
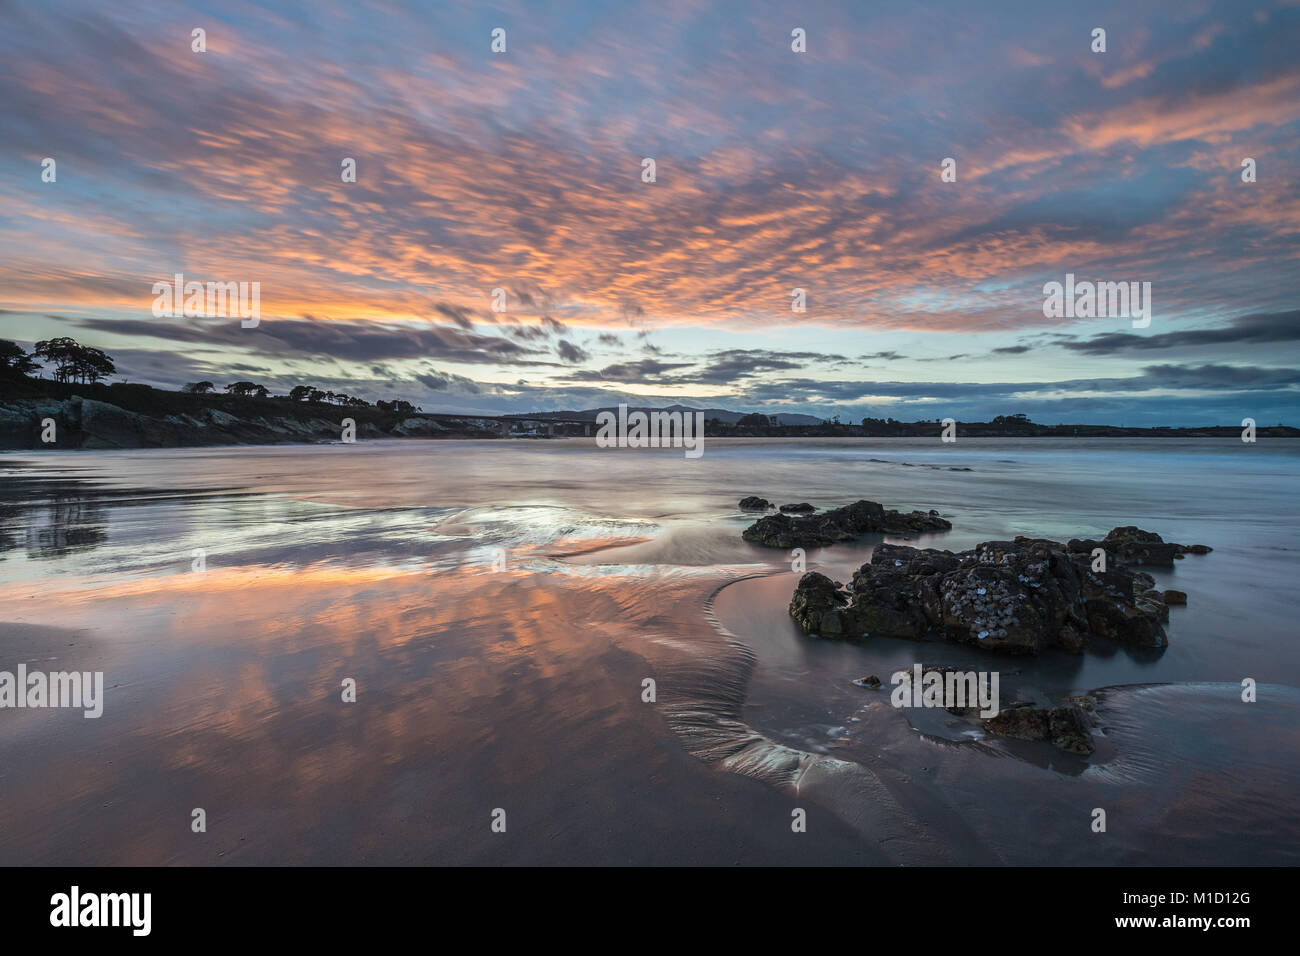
501 605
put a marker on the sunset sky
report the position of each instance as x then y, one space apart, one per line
776 170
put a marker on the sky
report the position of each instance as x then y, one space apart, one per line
774 170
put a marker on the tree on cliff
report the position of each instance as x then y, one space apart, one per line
338 398
198 388
92 365
58 352
14 360
73 361
247 389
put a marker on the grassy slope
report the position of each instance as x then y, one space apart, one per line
155 402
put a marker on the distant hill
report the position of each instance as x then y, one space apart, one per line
122 415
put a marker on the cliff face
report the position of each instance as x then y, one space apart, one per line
88 423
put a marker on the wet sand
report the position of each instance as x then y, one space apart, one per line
231 702
521 688
1187 773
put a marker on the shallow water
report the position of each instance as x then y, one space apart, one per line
512 679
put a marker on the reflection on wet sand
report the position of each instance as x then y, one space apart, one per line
521 688
56 528
475 690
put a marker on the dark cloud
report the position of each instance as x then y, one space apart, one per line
570 352
444 382
1257 329
527 333
1202 378
642 371
461 316
733 364
1245 378
343 340
543 330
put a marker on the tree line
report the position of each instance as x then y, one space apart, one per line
71 361
302 393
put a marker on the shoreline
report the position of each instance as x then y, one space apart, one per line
984 440
36 413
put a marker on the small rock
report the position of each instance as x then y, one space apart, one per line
1175 597
839 524
1069 730
1023 723
1066 727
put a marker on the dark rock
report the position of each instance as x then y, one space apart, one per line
1068 727
1156 600
871 680
840 524
817 601
1018 597
801 508
419 428
1022 723
1070 730
754 503
1134 546
1128 622
1175 597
